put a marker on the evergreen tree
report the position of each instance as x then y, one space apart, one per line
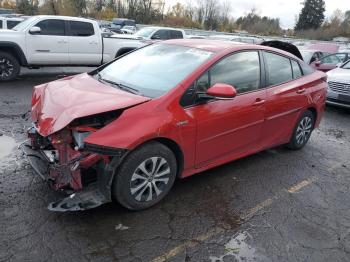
312 15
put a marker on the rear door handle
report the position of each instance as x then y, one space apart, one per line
259 102
301 90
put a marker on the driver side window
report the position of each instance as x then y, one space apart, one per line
241 70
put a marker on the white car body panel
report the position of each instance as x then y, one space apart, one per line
338 92
58 50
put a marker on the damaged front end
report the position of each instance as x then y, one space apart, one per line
83 171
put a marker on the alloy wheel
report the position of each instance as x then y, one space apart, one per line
304 130
150 179
6 68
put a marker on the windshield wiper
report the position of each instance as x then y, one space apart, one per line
119 85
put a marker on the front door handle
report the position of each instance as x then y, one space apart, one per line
301 90
259 102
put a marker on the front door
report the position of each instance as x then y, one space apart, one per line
230 128
50 46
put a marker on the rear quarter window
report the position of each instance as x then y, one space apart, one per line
0 24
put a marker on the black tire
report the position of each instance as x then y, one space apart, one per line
9 67
140 163
302 131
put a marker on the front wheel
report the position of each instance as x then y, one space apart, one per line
145 177
302 131
9 67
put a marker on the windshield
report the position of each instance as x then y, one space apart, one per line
24 24
307 55
145 32
346 65
154 70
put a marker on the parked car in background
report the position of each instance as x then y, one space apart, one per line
97 135
121 22
107 25
310 56
10 22
339 86
330 62
160 33
329 47
128 29
58 40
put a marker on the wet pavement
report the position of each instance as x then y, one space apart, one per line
278 205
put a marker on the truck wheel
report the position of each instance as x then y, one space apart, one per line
145 177
9 67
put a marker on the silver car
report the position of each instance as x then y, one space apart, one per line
339 86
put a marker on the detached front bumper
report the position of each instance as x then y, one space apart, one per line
92 195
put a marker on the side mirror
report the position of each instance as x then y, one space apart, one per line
318 63
35 30
222 91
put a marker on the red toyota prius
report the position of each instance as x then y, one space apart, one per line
169 110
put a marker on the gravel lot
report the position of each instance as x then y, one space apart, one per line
277 205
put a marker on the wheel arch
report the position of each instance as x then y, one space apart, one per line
314 112
15 50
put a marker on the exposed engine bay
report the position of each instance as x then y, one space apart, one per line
82 171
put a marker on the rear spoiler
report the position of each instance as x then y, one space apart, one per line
290 48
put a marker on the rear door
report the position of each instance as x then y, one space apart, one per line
328 63
229 128
85 45
176 34
50 46
285 97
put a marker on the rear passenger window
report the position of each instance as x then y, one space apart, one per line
296 69
175 34
12 24
278 69
80 29
51 27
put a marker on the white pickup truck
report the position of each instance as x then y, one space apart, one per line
58 41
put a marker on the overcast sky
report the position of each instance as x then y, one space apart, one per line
283 9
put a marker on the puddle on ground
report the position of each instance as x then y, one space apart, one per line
237 248
6 145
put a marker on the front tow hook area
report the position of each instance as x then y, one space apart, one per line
90 197
36 159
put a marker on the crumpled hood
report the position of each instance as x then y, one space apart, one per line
58 103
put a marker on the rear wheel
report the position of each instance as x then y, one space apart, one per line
9 67
145 176
302 131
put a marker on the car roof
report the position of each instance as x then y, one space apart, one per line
205 44
65 18
218 46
